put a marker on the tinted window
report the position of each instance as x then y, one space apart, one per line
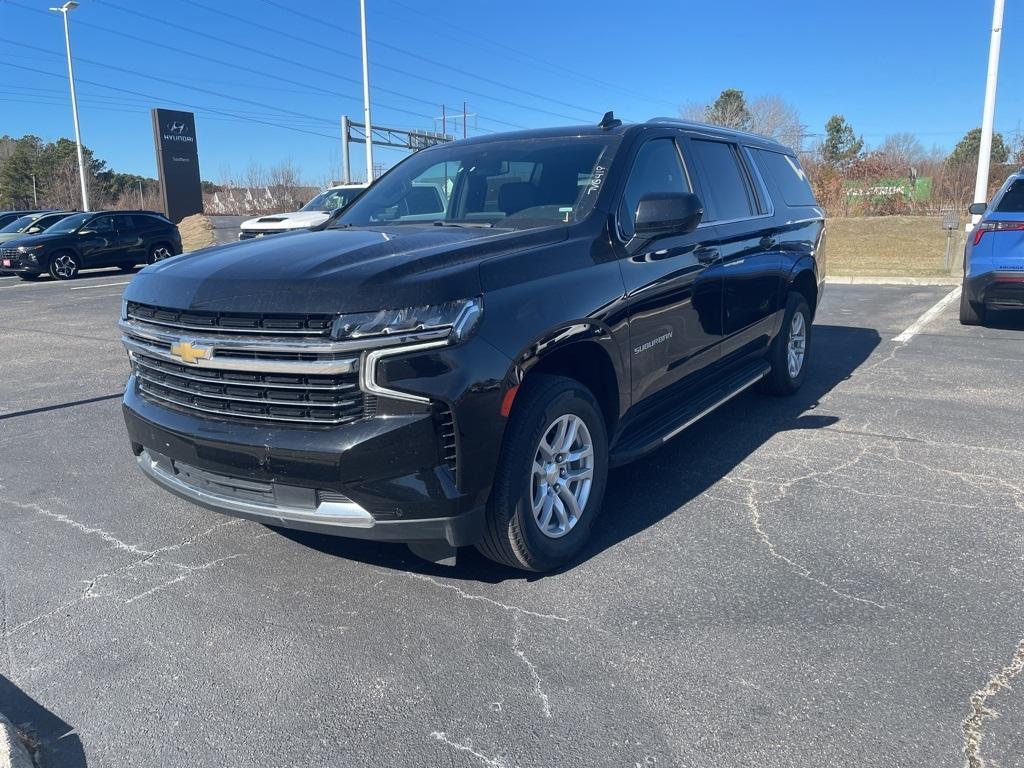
101 224
126 223
789 177
657 168
18 225
723 180
1012 200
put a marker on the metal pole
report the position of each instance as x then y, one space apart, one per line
463 119
141 204
74 105
988 117
35 195
346 163
366 94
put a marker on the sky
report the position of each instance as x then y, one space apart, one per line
269 79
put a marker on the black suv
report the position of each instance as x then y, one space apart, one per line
468 378
97 239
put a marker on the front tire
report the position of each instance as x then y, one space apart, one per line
551 476
790 349
64 266
970 314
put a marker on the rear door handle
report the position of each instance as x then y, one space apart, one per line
706 255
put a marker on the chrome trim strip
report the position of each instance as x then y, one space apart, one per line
710 408
310 346
297 367
140 359
368 370
237 415
346 514
257 400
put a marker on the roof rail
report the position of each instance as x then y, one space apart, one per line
705 126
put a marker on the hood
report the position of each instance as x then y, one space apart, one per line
42 237
296 220
6 237
333 270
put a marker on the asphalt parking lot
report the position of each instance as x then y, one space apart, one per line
833 579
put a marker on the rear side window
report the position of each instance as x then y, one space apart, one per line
657 168
1012 200
724 180
789 177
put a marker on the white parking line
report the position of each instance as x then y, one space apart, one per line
927 317
101 285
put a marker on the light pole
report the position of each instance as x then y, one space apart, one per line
988 117
366 95
63 10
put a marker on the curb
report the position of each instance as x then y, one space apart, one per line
12 750
882 280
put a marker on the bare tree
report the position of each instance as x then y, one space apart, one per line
903 149
769 116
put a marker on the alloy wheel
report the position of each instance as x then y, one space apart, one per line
796 349
160 253
562 475
64 266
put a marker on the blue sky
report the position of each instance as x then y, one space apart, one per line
895 66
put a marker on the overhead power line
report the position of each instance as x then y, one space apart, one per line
405 52
338 52
273 76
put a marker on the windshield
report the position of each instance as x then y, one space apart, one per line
516 183
70 224
331 200
18 224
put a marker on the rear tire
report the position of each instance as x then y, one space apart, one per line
159 252
550 481
64 266
971 314
790 350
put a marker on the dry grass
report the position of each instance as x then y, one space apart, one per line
897 246
196 232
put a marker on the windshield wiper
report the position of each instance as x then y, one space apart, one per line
468 224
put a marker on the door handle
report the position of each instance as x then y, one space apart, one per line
706 255
768 242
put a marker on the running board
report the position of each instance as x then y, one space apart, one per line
658 428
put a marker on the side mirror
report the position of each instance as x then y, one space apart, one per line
977 209
87 232
33 230
668 213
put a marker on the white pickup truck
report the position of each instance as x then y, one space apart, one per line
312 213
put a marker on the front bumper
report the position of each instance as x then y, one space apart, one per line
250 234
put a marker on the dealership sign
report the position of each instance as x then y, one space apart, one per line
177 160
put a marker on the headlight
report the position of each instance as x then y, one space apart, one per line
29 248
460 318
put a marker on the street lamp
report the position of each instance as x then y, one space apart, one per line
366 95
63 10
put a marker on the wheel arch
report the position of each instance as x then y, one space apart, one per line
586 354
804 278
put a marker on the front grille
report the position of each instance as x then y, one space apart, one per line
315 326
244 371
8 253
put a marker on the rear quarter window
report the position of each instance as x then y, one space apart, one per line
1012 200
789 177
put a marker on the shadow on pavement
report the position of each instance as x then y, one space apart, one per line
1005 319
709 450
59 745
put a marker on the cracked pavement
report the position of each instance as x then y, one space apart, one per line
830 579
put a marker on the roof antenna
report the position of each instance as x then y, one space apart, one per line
609 121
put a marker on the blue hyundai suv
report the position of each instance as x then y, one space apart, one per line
994 259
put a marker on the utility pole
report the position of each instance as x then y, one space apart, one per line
35 195
463 119
63 10
366 95
988 117
141 205
346 163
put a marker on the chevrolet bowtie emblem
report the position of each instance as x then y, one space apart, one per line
189 353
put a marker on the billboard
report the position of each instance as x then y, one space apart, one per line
177 162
